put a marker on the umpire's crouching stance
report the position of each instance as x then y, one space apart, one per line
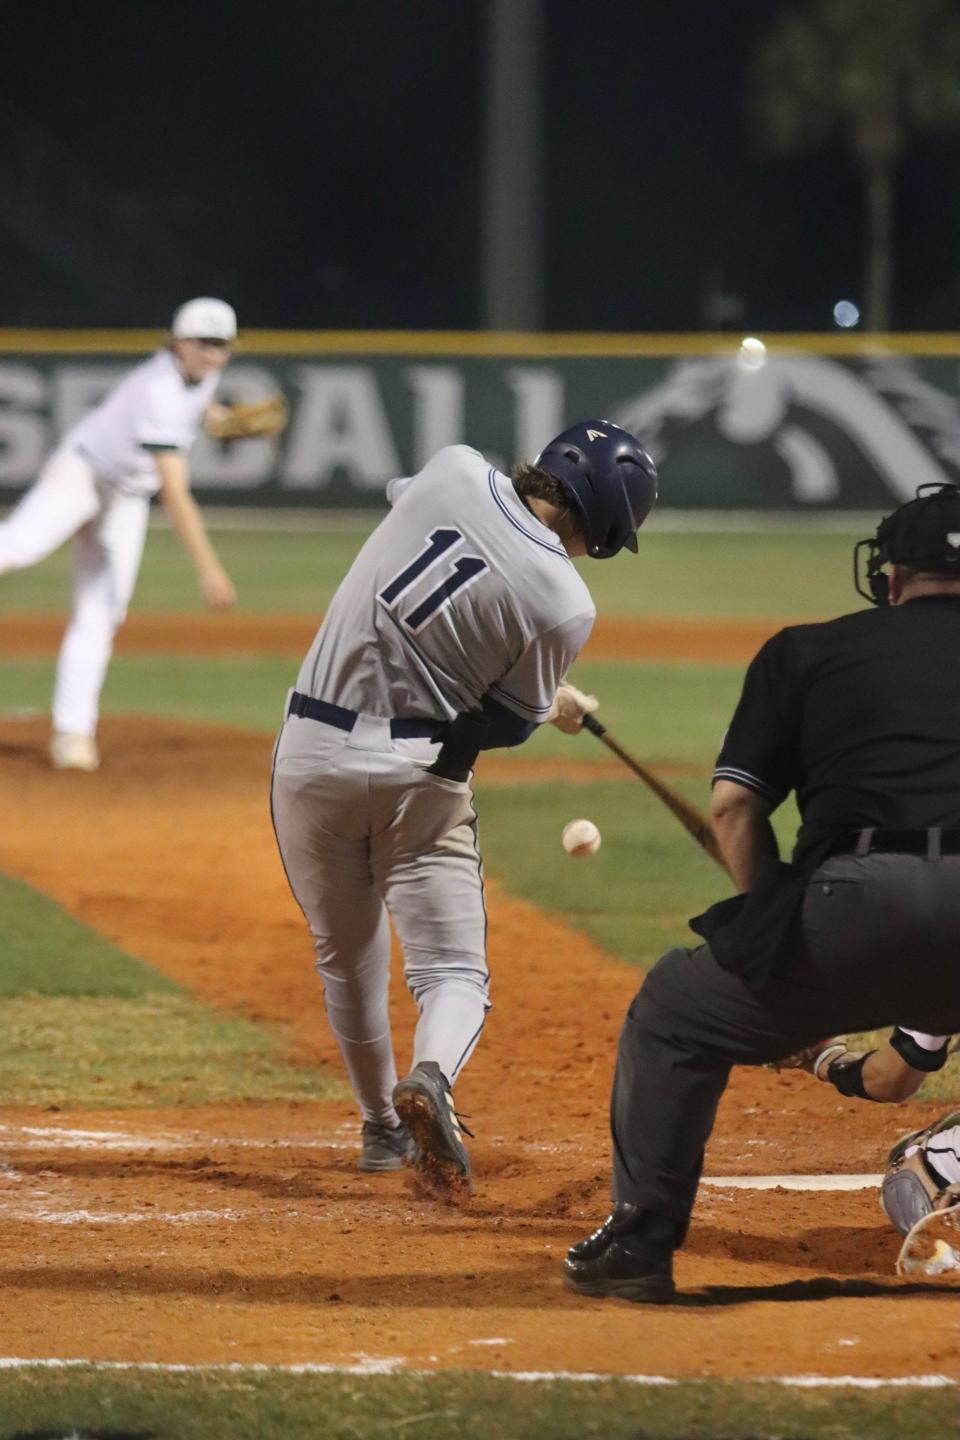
861 717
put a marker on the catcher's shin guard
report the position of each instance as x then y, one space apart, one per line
912 1187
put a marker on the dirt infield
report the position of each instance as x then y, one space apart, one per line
245 1233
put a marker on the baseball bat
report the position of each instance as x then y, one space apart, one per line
689 816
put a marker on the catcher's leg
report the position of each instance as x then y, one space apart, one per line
924 1166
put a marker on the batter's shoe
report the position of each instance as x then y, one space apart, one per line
424 1102
630 1257
73 752
385 1147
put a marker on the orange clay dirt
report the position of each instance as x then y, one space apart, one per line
245 1233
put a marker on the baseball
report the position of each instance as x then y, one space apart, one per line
752 354
581 837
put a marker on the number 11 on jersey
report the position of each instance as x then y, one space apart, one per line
462 573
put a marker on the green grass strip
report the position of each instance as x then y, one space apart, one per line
84 1023
694 573
47 952
87 1404
155 1050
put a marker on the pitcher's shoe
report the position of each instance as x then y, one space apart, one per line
424 1102
385 1147
73 752
630 1257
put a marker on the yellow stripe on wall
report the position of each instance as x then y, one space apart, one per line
490 343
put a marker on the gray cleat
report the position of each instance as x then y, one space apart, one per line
385 1147
424 1101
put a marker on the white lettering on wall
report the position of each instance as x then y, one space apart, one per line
438 409
538 397
24 437
340 423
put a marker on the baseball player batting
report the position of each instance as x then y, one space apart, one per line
450 634
97 487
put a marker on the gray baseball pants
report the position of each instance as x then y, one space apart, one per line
882 935
365 833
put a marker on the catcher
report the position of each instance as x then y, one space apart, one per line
921 1188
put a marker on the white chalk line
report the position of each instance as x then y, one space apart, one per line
393 1365
42 1216
38 1137
793 1182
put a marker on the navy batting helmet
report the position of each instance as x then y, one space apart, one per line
610 478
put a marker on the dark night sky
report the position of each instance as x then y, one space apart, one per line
318 163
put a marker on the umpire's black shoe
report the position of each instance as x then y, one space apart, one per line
630 1257
424 1102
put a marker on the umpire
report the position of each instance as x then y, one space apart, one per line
860 716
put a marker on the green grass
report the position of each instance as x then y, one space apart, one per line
155 1050
230 690
449 1406
84 1023
684 573
47 952
663 713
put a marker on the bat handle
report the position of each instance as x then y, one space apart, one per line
589 722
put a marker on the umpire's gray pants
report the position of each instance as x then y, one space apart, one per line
882 934
364 831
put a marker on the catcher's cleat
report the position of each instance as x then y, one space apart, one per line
630 1257
385 1147
931 1250
424 1102
73 752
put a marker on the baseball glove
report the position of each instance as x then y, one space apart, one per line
247 420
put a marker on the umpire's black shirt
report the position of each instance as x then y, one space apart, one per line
860 716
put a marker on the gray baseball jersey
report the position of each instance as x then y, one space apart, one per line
460 593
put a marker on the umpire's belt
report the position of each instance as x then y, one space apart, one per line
932 842
310 709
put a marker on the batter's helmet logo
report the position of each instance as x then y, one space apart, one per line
596 435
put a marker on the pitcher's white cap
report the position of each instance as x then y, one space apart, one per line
205 319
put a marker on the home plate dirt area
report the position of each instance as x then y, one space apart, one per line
245 1233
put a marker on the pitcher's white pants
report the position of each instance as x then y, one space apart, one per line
109 530
365 832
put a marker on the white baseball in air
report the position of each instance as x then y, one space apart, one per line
752 354
581 837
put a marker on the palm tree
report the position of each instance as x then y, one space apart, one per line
876 70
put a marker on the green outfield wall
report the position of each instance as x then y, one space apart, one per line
812 421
